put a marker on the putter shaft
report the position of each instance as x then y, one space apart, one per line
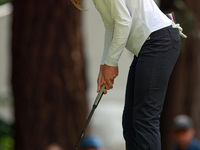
97 100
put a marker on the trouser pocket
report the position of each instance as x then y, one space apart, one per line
176 40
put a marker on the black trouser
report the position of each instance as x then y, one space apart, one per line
146 88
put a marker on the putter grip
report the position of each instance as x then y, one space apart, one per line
98 98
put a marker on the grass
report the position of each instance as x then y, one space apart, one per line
4 1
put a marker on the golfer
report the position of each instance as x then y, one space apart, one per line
153 38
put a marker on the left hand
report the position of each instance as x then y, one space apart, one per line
108 74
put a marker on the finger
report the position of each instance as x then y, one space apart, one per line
109 84
112 81
98 86
99 83
105 91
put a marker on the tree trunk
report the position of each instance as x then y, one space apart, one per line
183 91
48 74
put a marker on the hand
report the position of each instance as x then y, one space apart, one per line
99 84
107 74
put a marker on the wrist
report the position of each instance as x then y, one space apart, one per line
101 68
107 66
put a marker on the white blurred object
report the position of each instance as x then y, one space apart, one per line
5 38
5 9
6 108
107 124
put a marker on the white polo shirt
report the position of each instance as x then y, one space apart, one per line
128 23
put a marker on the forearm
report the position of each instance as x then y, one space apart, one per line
107 43
120 36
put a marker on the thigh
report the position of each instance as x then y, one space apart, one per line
129 97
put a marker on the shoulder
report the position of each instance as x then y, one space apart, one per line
195 145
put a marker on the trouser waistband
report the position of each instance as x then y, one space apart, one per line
158 32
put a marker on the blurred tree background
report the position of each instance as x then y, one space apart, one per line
48 74
183 95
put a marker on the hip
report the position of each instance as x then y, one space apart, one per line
162 40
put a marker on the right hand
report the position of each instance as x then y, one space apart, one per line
107 74
99 80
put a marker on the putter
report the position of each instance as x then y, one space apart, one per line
96 102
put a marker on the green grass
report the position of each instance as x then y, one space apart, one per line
4 1
6 136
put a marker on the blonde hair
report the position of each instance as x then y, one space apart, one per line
77 4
